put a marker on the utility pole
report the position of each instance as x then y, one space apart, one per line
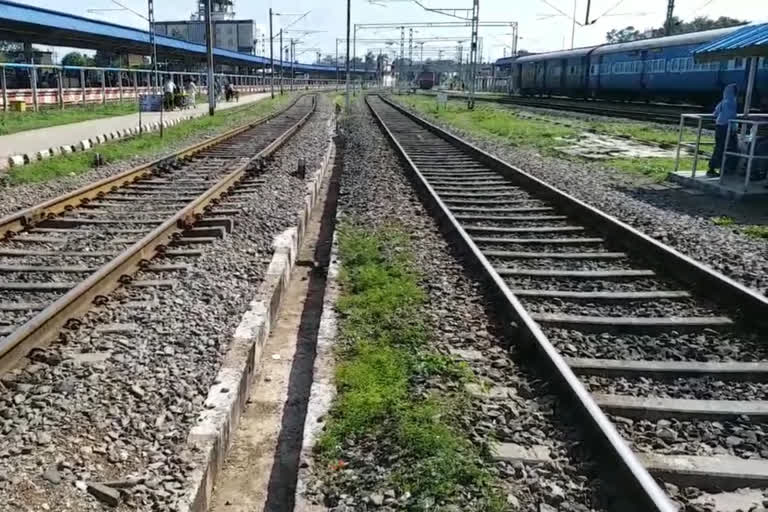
410 54
346 85
209 50
670 13
573 25
354 45
152 41
271 58
282 62
586 18
402 57
287 53
337 64
473 53
293 57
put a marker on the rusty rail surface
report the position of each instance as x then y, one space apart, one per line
45 326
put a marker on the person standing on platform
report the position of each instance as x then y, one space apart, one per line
726 110
170 89
192 93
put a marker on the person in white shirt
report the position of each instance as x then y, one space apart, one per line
191 93
170 89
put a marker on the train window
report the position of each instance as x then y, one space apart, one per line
738 63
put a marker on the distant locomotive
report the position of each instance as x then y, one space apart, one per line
659 69
427 79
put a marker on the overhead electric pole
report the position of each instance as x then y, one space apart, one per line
209 50
346 85
152 41
670 14
282 62
473 53
271 58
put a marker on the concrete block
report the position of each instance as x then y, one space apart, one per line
104 494
214 431
15 161
467 355
29 157
513 452
490 393
55 151
84 145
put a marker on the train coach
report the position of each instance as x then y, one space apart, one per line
659 69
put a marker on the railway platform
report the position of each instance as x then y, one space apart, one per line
729 187
31 142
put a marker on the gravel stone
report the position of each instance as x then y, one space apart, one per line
122 403
375 191
673 217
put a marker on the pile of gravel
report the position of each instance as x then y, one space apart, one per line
116 405
375 192
658 215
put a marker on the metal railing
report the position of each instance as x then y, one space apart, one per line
49 85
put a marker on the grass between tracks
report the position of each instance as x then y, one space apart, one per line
383 408
146 144
505 126
753 231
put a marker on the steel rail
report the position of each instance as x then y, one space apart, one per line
666 114
642 485
22 219
44 326
706 280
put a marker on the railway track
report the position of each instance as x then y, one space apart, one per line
663 114
660 353
59 257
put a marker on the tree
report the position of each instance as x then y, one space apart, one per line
75 59
623 35
7 47
105 59
678 27
370 59
328 60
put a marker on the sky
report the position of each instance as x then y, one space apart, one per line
543 24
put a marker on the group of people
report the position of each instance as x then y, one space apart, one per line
175 98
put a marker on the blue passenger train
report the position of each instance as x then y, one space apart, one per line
659 69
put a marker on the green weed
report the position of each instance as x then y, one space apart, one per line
723 221
501 123
14 122
756 231
146 144
384 337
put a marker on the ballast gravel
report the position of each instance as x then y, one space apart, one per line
16 197
113 402
679 221
375 192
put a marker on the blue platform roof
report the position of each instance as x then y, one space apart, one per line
749 41
20 22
